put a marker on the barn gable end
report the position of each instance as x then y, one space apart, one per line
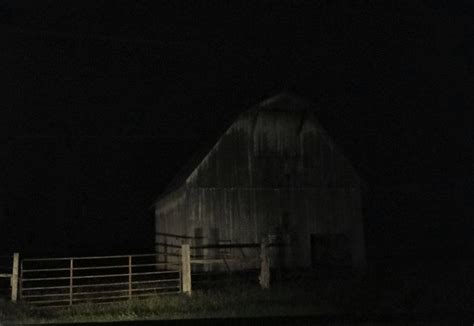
276 136
273 170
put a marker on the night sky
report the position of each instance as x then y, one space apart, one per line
102 102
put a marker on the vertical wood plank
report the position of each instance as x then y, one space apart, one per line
20 281
129 277
14 277
165 251
264 278
186 268
71 275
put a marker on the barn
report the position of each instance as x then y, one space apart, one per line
275 174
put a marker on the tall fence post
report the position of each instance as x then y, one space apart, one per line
186 268
264 278
71 268
14 277
129 277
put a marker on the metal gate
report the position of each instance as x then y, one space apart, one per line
100 279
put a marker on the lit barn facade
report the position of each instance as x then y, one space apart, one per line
274 173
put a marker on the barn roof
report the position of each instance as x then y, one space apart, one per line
284 102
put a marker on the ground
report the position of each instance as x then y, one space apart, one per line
427 292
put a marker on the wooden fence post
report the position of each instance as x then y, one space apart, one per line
165 252
186 268
71 268
129 277
14 277
264 277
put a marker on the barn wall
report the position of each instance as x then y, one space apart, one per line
266 165
170 224
245 215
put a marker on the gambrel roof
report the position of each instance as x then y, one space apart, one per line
284 102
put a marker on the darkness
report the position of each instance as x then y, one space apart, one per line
103 101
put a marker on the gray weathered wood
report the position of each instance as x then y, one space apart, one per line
130 277
71 276
264 277
14 277
274 170
186 268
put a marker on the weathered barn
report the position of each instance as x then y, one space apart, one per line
274 173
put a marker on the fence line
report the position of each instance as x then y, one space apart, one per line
89 257
62 281
209 256
95 279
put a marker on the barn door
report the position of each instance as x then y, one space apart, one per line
330 251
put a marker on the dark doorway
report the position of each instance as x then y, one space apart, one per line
330 251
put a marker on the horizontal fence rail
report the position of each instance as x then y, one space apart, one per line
210 257
207 261
53 282
211 262
65 281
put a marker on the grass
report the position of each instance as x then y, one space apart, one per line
394 293
230 298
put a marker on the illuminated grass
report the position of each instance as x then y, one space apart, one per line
300 296
228 301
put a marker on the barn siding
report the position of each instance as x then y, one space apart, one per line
245 215
253 155
268 163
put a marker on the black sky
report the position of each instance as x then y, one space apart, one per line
103 101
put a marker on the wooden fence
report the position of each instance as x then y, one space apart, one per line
101 279
224 258
54 282
216 255
213 257
201 263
